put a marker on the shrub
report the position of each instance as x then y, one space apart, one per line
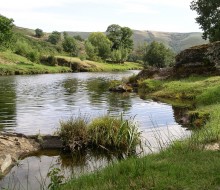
52 61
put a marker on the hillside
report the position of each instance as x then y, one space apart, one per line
176 41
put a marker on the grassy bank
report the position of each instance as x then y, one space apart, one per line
91 66
11 64
184 165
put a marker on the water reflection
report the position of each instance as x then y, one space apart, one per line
32 172
7 102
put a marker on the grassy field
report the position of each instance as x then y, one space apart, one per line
92 66
185 164
11 64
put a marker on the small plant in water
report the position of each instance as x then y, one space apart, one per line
73 132
56 179
110 133
114 133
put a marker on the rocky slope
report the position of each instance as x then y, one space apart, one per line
197 60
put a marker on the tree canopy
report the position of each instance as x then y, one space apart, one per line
158 55
70 45
120 37
39 33
55 37
209 17
6 32
98 45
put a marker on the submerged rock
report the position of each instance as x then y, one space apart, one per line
121 88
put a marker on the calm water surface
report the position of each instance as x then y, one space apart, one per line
35 104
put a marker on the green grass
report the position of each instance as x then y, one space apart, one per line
185 164
26 69
73 132
168 170
114 133
110 133
11 64
92 66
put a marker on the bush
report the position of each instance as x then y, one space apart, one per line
52 61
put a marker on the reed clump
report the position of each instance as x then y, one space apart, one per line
111 133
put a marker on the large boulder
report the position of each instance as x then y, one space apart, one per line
201 60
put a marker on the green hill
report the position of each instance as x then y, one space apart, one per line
175 41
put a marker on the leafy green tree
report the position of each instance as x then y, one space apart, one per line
39 33
158 55
138 53
120 37
90 51
6 33
70 45
114 35
78 37
55 37
99 45
119 55
209 17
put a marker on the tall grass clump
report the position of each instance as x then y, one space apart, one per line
114 133
73 132
106 132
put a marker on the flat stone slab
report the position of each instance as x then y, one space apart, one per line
13 146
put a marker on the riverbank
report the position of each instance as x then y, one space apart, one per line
13 64
185 164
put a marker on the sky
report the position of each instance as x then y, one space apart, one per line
97 15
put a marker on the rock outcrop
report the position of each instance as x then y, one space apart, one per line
198 60
14 146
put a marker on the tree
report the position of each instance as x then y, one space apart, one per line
6 33
138 53
55 37
209 17
70 45
158 55
120 37
39 33
78 37
90 51
101 45
119 55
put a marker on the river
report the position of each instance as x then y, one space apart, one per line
36 104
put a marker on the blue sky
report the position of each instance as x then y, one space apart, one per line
97 15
